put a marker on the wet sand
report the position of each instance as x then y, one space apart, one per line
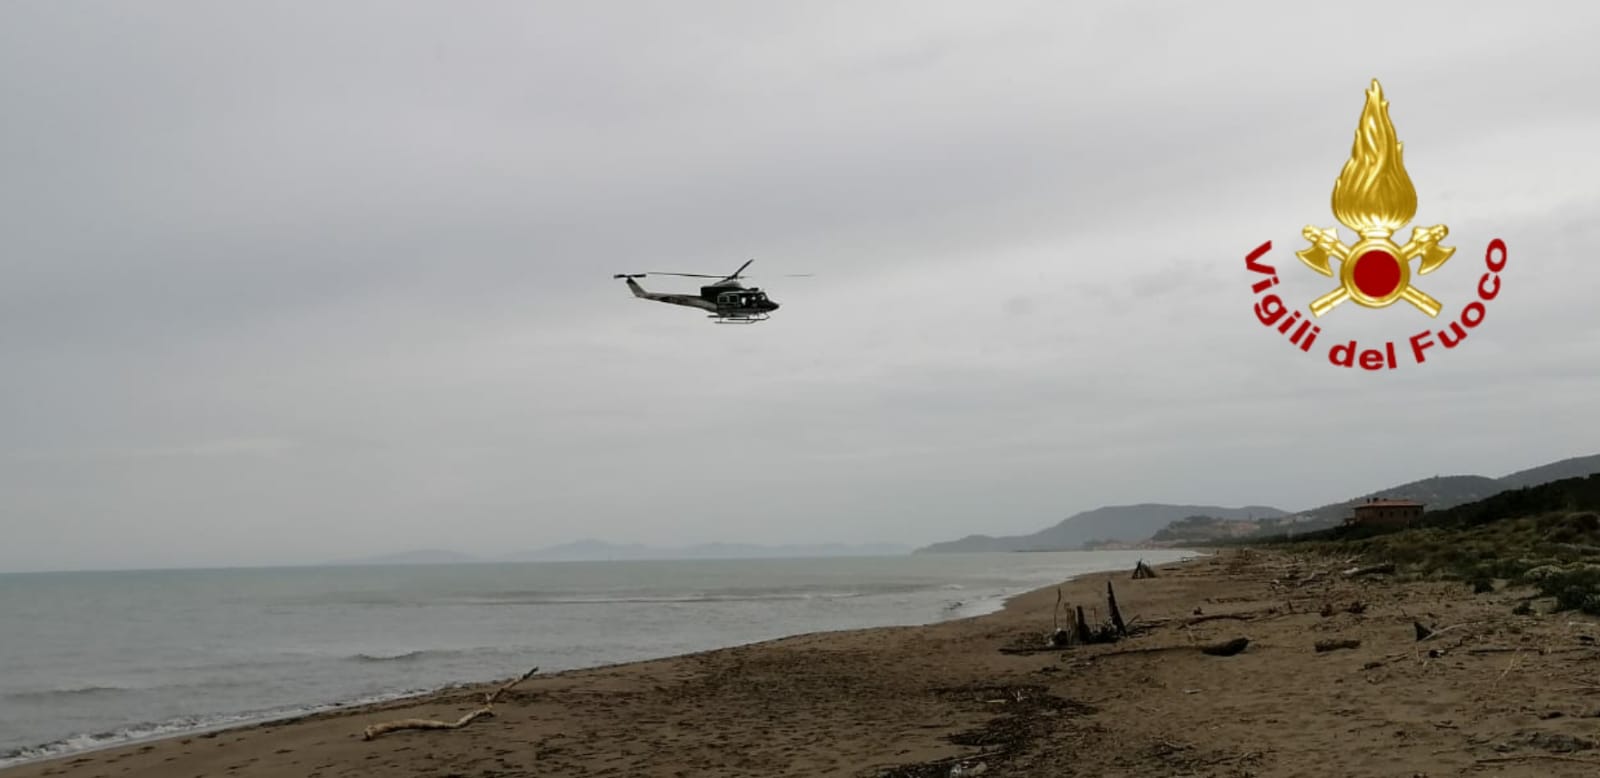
1502 694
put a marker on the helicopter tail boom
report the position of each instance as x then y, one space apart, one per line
638 291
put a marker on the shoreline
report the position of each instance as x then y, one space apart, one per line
1498 691
981 607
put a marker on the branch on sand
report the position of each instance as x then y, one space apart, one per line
1246 616
1225 648
1526 757
1335 644
486 711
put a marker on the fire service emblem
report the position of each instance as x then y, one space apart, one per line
1374 198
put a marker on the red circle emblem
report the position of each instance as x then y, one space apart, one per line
1376 274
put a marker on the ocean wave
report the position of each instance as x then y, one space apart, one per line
75 692
659 599
411 656
182 725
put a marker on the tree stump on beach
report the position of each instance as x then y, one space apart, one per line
1085 635
1116 614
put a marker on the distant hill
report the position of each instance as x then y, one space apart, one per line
596 550
1576 467
1568 495
1203 530
1444 492
1142 524
1128 523
1438 492
1578 493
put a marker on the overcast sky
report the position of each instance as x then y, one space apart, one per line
283 282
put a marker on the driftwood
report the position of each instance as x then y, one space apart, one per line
1324 646
1116 614
1356 607
1228 648
1080 632
1225 648
1529 757
492 698
1142 570
1357 572
486 711
392 726
1248 616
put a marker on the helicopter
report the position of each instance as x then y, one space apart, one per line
725 299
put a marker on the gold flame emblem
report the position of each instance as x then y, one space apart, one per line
1374 197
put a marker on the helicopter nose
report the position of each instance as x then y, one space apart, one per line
772 306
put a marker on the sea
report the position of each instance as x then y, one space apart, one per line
90 660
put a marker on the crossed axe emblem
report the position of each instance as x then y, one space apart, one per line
1385 270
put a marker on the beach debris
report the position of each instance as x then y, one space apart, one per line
1087 634
1358 607
1244 616
486 711
1423 632
1082 631
393 726
1381 569
1226 648
1335 644
1116 614
1526 757
1018 717
1223 649
1142 570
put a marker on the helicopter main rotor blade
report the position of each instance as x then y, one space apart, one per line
742 267
687 275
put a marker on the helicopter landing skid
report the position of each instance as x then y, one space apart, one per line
751 319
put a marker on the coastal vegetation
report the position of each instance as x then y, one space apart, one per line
1544 537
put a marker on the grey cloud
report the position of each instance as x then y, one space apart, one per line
273 278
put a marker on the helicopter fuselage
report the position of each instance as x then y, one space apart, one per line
726 300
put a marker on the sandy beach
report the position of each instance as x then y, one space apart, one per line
1492 693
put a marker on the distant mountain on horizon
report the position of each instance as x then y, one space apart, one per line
1121 523
591 550
1138 523
1443 492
